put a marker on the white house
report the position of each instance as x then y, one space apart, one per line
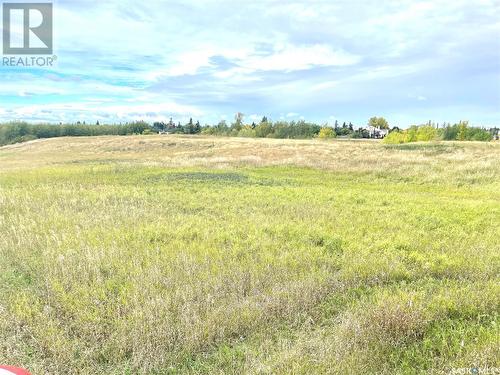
377 132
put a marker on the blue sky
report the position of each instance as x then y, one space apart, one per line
409 61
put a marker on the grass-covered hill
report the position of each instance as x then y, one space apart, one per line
201 255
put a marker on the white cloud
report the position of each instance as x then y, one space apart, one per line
264 57
92 111
420 98
284 58
289 58
292 57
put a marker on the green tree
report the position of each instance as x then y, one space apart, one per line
238 122
462 131
247 131
326 132
263 129
411 134
396 137
378 122
426 133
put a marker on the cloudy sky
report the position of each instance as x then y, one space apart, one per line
122 60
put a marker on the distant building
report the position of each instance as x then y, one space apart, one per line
376 132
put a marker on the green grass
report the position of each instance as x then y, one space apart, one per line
428 147
122 269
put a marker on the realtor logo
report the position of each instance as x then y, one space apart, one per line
27 29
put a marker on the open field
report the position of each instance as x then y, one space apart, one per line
173 255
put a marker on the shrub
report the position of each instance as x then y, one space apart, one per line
20 131
426 133
411 134
477 134
450 133
395 137
462 132
247 131
326 133
263 129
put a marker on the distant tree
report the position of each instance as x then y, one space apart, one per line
263 130
136 127
264 119
221 128
351 128
396 137
326 132
361 133
238 122
247 131
97 123
426 133
189 127
158 126
449 133
238 118
378 122
462 131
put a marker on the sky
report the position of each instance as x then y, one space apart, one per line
122 60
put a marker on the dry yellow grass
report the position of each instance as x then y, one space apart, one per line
357 156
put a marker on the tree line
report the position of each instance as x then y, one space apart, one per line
268 129
430 132
16 132
377 127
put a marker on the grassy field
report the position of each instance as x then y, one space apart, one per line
198 255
